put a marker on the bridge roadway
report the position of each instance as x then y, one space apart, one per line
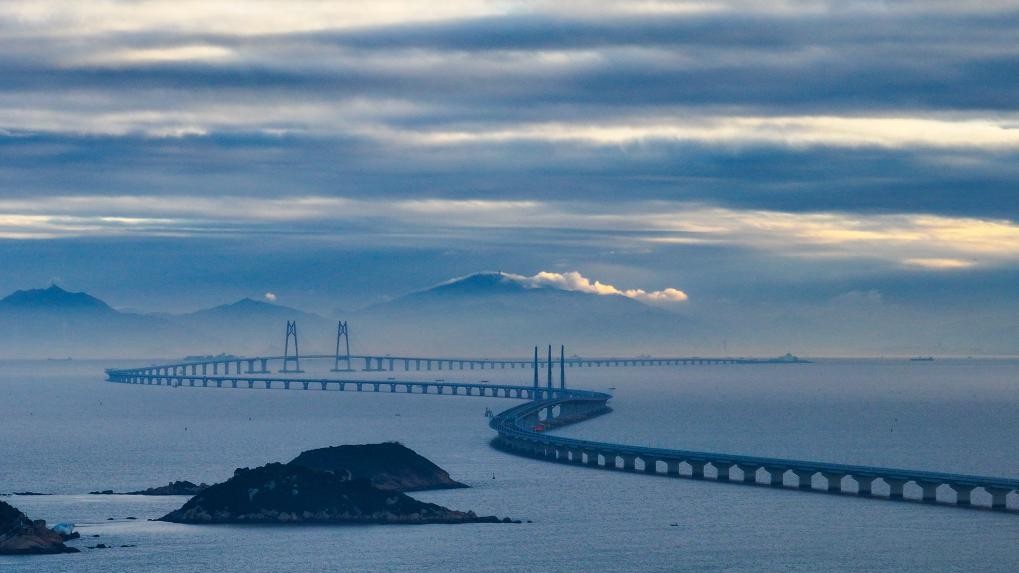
381 363
523 430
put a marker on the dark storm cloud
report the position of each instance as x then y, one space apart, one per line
847 62
948 182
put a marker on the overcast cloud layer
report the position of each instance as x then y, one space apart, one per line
785 163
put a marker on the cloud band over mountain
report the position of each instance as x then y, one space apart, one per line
574 281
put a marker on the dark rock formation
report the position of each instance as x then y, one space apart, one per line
389 466
19 535
173 488
284 493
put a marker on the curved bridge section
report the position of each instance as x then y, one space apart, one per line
524 430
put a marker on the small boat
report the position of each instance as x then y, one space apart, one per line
922 359
612 387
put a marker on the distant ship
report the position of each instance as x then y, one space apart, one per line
922 359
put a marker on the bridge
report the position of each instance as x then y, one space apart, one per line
387 363
524 429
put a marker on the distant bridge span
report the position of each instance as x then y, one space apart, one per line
523 429
215 365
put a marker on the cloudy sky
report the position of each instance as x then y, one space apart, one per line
839 171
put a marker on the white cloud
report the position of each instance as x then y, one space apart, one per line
574 281
938 263
791 131
270 296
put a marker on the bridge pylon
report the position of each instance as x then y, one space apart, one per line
562 366
548 377
535 366
287 358
342 331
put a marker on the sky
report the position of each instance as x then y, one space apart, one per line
846 172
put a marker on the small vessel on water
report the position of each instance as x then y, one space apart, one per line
488 413
922 359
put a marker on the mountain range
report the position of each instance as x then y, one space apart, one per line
488 314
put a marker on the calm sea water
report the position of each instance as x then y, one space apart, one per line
64 431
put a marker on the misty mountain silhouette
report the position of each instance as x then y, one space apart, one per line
491 314
52 298
55 323
496 314
253 326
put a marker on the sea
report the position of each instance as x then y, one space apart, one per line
64 431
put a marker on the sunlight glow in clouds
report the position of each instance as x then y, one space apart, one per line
938 264
574 281
912 240
803 131
220 16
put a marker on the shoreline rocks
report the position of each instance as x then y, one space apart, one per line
20 535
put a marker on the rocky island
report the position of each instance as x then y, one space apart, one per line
20 535
388 466
173 488
288 493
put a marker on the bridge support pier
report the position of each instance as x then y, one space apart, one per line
834 481
804 478
864 485
722 470
929 491
749 473
696 469
650 466
776 476
894 487
672 468
999 497
962 494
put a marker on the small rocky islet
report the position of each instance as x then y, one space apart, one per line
285 493
172 488
341 484
20 535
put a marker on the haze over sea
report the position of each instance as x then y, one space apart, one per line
65 431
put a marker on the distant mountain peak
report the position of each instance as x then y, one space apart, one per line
485 280
248 301
253 307
55 298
